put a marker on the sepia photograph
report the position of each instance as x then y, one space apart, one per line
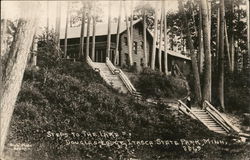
125 80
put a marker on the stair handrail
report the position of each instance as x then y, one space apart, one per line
217 119
187 108
92 65
110 65
90 62
123 77
226 121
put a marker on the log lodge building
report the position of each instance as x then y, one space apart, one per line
73 41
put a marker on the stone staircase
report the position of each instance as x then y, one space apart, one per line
112 79
208 121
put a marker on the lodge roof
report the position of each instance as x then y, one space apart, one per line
101 29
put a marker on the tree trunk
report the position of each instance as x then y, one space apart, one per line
93 35
131 26
47 29
248 33
197 85
66 32
118 35
228 47
201 44
217 40
221 56
93 39
88 31
81 50
232 51
145 37
160 43
165 39
14 67
129 38
154 39
34 52
58 26
207 50
109 30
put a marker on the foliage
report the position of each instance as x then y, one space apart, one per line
47 44
157 85
237 92
70 97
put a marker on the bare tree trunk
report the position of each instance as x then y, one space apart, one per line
207 49
34 52
81 50
47 29
228 47
88 31
129 38
201 44
232 51
160 43
221 55
154 39
248 33
13 69
217 39
66 32
165 39
58 26
197 85
109 30
118 35
145 37
93 40
131 26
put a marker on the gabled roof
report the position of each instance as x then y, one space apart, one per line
101 29
170 52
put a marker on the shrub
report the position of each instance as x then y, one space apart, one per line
157 85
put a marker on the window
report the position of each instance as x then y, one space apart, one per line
142 44
135 47
142 64
140 30
126 59
126 41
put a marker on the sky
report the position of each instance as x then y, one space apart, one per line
13 9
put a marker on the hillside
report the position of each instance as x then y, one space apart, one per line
68 98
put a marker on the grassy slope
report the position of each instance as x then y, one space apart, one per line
70 97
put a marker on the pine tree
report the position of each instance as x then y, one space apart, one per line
81 50
93 36
165 40
109 31
206 92
145 37
154 38
66 31
160 39
128 36
221 56
14 67
118 35
197 86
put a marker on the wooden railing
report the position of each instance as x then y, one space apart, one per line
225 123
186 110
92 65
123 77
